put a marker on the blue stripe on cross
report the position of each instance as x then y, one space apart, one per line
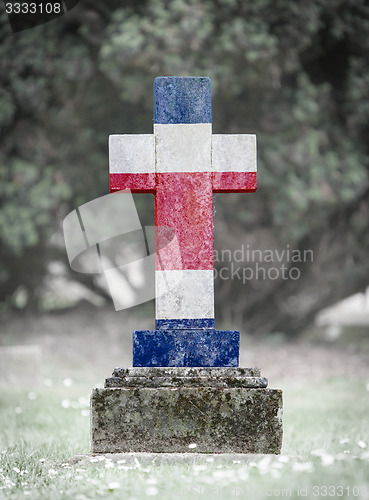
183 164
182 100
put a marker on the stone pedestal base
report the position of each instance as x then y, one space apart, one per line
165 410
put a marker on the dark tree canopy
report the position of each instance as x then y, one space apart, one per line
294 73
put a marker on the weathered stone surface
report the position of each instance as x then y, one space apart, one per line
132 154
217 420
193 371
252 382
186 377
183 293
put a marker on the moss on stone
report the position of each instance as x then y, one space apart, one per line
218 420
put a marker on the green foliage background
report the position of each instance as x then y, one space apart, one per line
294 73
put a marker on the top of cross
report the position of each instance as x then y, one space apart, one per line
182 100
182 142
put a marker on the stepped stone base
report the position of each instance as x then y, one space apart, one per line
165 410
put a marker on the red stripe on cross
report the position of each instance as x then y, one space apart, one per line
137 183
184 202
234 182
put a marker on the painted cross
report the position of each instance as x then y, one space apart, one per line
183 164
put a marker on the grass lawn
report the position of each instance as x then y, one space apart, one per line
325 451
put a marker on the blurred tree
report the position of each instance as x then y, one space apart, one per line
296 74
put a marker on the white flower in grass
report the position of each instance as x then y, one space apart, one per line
83 401
124 467
303 467
327 460
94 459
67 382
65 403
225 475
192 446
8 483
318 453
264 464
275 473
52 472
361 444
200 467
277 465
243 474
18 410
85 413
32 396
123 461
114 485
42 460
109 465
26 492
152 491
219 474
344 440
15 469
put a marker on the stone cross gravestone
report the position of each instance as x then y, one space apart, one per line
182 163
185 385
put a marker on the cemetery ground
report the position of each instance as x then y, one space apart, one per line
43 426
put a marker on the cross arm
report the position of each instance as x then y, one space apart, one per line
234 163
132 162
